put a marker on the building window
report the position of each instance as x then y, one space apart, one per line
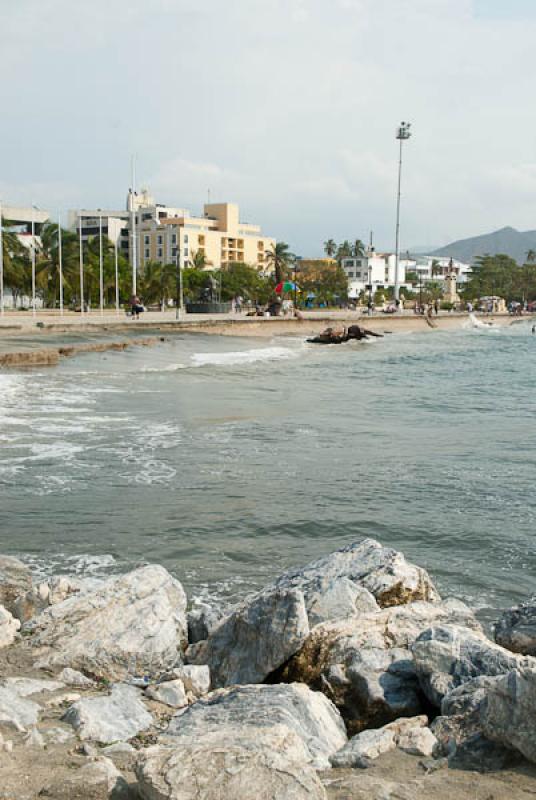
159 239
160 252
147 253
147 239
145 217
173 238
350 274
174 251
185 238
358 274
186 252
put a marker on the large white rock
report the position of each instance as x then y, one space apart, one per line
447 656
110 718
406 733
169 692
28 686
365 664
255 639
131 625
272 764
15 579
309 714
9 627
508 712
382 571
195 678
17 711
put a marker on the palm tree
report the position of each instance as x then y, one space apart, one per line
279 260
198 260
345 250
359 248
15 262
330 248
436 268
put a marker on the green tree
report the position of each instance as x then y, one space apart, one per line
197 260
280 260
345 250
497 275
330 248
358 248
48 265
531 256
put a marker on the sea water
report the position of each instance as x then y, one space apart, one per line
229 459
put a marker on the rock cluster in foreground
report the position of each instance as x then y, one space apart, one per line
333 665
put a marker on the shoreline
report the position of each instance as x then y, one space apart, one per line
19 346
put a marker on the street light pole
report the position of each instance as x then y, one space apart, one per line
1 263
60 264
116 279
402 133
81 266
101 269
33 261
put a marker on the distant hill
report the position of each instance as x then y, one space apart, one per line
506 240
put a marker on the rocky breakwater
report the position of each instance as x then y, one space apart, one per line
333 665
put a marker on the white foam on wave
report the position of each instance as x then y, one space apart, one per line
240 357
473 323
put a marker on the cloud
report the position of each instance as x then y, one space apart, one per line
287 107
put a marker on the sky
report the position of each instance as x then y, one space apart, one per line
287 107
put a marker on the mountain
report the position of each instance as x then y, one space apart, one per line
506 240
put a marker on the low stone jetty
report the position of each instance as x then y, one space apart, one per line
116 689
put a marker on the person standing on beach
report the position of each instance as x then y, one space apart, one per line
135 306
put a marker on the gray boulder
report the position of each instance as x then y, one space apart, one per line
268 763
447 656
409 734
195 678
251 709
508 712
516 629
461 740
255 639
9 627
202 619
15 579
171 693
45 594
25 687
131 625
365 664
382 571
110 718
97 780
17 711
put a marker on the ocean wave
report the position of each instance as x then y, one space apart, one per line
240 357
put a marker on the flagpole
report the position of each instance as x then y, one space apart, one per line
101 270
60 263
81 266
134 234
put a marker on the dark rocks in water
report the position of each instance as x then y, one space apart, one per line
516 629
339 335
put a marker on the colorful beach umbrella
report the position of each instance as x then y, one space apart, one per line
286 286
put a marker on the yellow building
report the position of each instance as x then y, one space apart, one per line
218 235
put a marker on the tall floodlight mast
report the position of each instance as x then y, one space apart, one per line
402 133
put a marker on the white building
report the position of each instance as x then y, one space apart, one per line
376 269
433 268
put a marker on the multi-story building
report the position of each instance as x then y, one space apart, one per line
165 233
219 237
376 269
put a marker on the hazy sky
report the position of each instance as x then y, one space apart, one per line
287 107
